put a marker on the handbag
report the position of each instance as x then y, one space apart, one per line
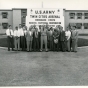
55 41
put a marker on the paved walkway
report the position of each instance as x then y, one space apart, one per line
43 68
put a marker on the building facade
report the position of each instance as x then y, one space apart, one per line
12 17
17 16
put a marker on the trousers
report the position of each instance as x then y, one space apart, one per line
17 43
44 40
10 42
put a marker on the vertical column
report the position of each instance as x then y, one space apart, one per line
16 17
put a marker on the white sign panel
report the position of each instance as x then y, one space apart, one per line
43 16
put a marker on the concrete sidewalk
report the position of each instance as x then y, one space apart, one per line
43 68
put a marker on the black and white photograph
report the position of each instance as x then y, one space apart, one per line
43 43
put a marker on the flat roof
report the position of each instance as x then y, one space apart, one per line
43 8
77 10
18 8
5 9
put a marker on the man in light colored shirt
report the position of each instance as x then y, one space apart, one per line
9 33
44 37
17 39
20 29
68 35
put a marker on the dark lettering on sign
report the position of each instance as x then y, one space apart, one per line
51 19
32 23
33 16
42 22
42 16
44 12
40 19
54 23
53 16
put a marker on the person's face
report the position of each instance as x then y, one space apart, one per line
19 26
16 28
67 29
10 27
72 27
23 28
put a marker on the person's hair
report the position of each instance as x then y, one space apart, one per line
74 26
9 26
16 27
20 25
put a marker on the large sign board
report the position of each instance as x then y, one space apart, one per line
43 16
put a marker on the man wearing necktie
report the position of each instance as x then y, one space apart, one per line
9 33
36 36
29 38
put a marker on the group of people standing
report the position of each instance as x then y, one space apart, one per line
42 38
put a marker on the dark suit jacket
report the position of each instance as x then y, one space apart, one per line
62 36
34 37
28 36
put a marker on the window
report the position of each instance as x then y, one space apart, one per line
78 25
4 14
23 19
72 24
72 15
85 25
23 12
79 15
5 25
23 24
85 15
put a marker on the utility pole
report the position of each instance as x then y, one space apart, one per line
42 4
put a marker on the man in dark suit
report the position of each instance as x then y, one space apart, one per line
74 37
62 39
36 37
55 40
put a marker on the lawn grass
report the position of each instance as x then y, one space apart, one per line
81 42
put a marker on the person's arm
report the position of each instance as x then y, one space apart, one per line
69 35
7 32
11 33
76 35
14 33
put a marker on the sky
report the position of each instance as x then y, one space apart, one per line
67 4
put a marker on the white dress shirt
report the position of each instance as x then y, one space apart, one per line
68 34
25 31
16 33
20 30
9 32
30 33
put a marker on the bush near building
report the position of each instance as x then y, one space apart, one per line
81 42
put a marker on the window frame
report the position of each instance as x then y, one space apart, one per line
3 14
3 25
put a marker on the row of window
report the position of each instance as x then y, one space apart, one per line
78 25
79 15
5 14
5 25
